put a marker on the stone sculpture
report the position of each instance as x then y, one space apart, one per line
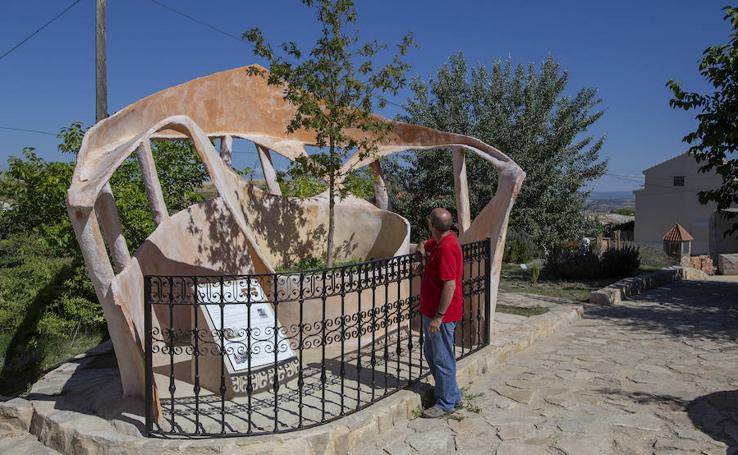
243 230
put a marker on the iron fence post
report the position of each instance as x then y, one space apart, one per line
487 289
148 379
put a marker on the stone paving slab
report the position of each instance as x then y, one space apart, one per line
61 426
653 375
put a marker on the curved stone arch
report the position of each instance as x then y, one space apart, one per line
242 105
125 322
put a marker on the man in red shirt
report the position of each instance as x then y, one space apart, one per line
441 306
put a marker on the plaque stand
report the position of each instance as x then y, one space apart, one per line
235 365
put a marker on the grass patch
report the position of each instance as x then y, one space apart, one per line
469 400
521 311
468 403
514 279
27 364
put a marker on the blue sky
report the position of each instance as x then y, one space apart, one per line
626 49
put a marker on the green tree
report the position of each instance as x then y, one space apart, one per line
525 113
715 141
181 174
336 86
48 308
34 192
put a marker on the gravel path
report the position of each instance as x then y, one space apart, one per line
658 374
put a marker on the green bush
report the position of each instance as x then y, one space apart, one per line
534 271
580 263
583 263
46 302
617 263
520 248
361 184
294 183
312 263
48 307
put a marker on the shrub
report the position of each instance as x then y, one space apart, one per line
533 273
580 263
520 248
312 263
616 263
583 263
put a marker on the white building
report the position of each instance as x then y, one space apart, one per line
669 196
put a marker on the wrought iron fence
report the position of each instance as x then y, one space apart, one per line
268 353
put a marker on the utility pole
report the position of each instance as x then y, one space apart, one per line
105 206
101 63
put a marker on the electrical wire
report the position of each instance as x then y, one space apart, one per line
39 29
198 21
25 130
672 189
225 33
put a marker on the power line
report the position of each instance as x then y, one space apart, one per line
672 189
198 21
228 34
39 29
25 130
626 177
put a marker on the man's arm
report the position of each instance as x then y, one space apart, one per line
447 293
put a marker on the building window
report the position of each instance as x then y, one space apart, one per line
678 180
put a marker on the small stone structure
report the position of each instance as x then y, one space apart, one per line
245 230
677 244
703 263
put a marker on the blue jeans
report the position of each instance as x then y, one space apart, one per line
439 353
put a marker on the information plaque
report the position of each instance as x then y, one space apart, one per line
266 337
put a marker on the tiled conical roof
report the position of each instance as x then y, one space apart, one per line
677 234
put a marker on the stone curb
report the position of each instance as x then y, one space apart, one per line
616 292
76 433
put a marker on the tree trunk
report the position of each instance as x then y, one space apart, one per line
331 216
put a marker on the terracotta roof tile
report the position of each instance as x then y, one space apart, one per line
677 234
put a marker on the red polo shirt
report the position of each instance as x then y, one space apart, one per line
444 262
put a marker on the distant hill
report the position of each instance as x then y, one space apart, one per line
597 195
607 201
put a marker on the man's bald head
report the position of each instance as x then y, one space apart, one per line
441 219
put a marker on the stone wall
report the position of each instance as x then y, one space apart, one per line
616 292
702 262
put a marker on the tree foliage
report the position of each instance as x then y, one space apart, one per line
524 112
715 141
181 174
333 87
34 192
295 183
46 297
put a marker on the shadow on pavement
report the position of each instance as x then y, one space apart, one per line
688 309
716 415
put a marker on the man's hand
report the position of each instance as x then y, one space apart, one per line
419 256
435 324
420 248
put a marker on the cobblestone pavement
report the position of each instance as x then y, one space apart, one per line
657 374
